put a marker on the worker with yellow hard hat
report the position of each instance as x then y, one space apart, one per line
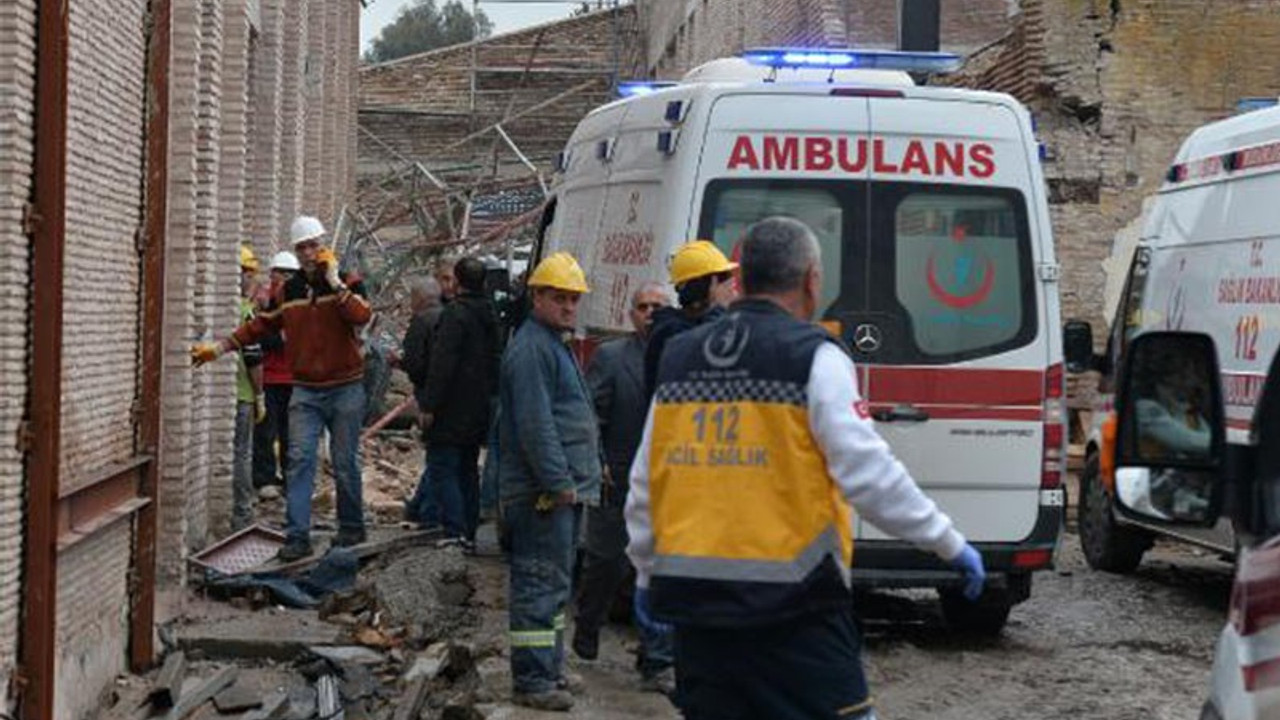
548 468
704 282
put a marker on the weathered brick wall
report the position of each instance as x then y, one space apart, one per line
418 106
17 96
105 110
681 34
1116 87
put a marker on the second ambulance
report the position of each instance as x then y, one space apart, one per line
930 207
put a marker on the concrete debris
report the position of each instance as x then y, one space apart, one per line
168 686
449 660
191 701
302 704
237 698
354 654
425 591
274 707
413 700
328 702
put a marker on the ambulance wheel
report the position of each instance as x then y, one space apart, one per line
984 617
1107 545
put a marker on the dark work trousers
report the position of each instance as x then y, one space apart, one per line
455 479
542 546
604 568
809 668
267 469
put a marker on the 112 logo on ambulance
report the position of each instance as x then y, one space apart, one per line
822 153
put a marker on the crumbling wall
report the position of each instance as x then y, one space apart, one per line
682 35
1116 85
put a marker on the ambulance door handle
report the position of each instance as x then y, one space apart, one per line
901 413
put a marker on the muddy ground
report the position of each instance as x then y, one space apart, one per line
1086 645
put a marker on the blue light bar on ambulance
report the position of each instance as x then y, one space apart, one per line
1250 104
934 62
636 88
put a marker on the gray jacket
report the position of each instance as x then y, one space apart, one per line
616 378
548 435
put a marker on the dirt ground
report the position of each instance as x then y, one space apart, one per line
1086 645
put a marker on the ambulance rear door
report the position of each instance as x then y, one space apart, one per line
951 335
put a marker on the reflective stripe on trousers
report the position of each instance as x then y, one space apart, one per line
542 545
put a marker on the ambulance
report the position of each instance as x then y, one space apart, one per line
1196 341
938 260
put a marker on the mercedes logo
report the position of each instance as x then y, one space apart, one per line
866 337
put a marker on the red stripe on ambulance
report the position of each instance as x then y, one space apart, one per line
820 153
956 386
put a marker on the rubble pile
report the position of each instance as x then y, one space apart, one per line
385 647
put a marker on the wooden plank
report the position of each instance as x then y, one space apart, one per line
203 694
168 688
413 700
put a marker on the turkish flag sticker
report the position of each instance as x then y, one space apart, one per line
863 409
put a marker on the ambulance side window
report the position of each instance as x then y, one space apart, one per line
1128 318
962 272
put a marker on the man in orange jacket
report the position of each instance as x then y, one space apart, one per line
320 314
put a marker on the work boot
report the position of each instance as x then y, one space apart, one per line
663 681
572 683
294 550
586 643
551 700
347 537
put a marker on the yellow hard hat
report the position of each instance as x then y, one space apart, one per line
696 259
559 271
248 260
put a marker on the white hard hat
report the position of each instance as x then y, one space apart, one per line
285 260
306 227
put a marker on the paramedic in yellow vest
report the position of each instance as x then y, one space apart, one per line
757 449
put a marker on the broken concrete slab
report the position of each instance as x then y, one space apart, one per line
424 589
274 706
413 700
237 698
193 699
302 704
355 654
276 635
168 686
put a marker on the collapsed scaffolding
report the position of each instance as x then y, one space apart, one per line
481 194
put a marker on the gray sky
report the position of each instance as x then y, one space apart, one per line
506 16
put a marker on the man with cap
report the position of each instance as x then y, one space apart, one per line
757 448
250 408
703 279
320 314
548 467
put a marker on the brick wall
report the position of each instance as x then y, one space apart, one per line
681 34
17 93
1116 87
420 105
105 106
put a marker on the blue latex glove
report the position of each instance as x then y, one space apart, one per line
969 562
640 604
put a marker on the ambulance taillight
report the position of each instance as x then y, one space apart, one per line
1055 416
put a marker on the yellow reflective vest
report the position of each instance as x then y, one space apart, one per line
749 527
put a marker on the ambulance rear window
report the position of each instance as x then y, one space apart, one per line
961 271
736 208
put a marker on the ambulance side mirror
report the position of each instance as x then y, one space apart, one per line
1171 431
1077 346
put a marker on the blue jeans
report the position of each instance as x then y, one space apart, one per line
423 508
542 547
455 475
242 468
311 410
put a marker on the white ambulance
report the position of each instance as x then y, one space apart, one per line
1196 342
938 258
